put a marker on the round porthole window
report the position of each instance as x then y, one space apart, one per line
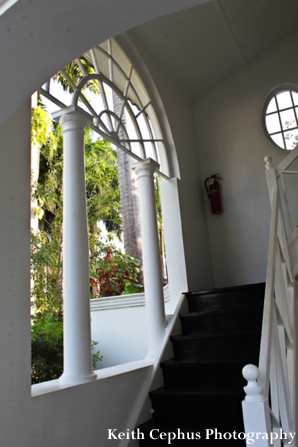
280 116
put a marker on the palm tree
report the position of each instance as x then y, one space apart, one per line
129 198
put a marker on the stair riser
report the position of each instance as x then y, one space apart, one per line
196 305
200 377
220 324
217 348
230 301
223 412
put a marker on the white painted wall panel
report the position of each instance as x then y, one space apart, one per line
121 335
231 141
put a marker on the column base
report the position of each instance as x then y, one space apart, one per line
73 379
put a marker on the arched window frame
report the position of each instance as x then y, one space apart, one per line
166 159
115 72
281 136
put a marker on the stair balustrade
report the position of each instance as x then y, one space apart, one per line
269 407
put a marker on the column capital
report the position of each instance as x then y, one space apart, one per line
145 167
72 115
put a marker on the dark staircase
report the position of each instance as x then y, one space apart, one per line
203 384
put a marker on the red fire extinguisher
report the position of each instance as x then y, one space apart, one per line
213 191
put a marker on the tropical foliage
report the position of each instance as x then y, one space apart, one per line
72 75
41 125
102 204
111 271
47 347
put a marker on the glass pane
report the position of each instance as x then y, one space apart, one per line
121 58
119 78
141 120
272 123
154 122
105 119
284 100
138 149
277 138
295 98
143 97
57 91
104 45
291 139
130 124
108 95
101 60
296 109
288 119
150 151
272 106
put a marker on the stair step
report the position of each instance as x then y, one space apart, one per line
203 384
213 347
229 299
205 409
160 434
220 323
199 376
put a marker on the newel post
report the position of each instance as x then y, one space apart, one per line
151 256
76 285
255 407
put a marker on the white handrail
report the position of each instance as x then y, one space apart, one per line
269 405
264 361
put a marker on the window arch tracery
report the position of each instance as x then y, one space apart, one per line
123 112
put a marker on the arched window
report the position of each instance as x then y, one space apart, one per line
107 95
123 112
280 116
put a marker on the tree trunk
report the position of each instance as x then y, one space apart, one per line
129 198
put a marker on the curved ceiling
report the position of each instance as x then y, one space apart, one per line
202 46
38 37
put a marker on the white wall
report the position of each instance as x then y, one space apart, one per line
119 325
121 334
78 416
14 274
231 141
179 114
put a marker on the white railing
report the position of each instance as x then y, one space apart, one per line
124 301
269 406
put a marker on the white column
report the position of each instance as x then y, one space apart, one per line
76 285
151 256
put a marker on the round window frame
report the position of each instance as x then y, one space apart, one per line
273 92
